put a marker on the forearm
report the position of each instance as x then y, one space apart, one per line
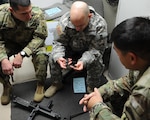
114 86
60 44
58 51
101 111
34 45
3 54
89 56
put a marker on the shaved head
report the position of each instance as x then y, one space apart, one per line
79 13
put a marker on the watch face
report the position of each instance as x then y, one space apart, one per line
22 53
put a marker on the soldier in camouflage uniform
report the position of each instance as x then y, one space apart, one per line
82 39
131 41
22 34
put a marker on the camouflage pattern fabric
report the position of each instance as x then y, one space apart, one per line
16 36
137 85
87 46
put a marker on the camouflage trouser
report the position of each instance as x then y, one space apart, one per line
94 71
40 62
4 79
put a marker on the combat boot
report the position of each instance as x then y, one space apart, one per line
5 98
53 89
39 93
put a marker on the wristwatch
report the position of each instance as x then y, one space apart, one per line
23 53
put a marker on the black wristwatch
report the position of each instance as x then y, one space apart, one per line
23 53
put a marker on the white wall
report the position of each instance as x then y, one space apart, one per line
126 9
45 3
109 15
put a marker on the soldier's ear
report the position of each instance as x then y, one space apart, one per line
133 58
90 15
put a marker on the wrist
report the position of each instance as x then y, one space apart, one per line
3 60
97 107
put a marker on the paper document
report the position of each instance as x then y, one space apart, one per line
79 85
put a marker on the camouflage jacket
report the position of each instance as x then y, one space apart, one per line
138 103
91 41
16 35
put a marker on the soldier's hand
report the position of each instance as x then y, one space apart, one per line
85 101
7 67
96 98
17 62
62 62
89 100
78 66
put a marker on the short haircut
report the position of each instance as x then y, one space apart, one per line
133 35
14 3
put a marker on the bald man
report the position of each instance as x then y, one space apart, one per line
82 36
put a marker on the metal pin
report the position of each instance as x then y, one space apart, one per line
12 78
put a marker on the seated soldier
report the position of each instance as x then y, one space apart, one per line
131 42
82 39
22 34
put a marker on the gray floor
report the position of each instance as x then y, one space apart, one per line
65 102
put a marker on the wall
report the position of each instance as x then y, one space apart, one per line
126 9
109 15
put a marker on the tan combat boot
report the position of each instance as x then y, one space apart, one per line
39 93
5 98
53 89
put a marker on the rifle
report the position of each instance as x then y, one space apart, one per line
36 108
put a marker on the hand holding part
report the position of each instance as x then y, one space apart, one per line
70 62
7 67
62 62
78 66
17 62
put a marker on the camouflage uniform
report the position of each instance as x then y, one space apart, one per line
16 36
87 46
136 107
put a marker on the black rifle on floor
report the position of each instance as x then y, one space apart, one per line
36 108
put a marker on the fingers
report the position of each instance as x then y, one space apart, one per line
83 99
86 98
8 72
17 66
96 91
84 102
84 108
